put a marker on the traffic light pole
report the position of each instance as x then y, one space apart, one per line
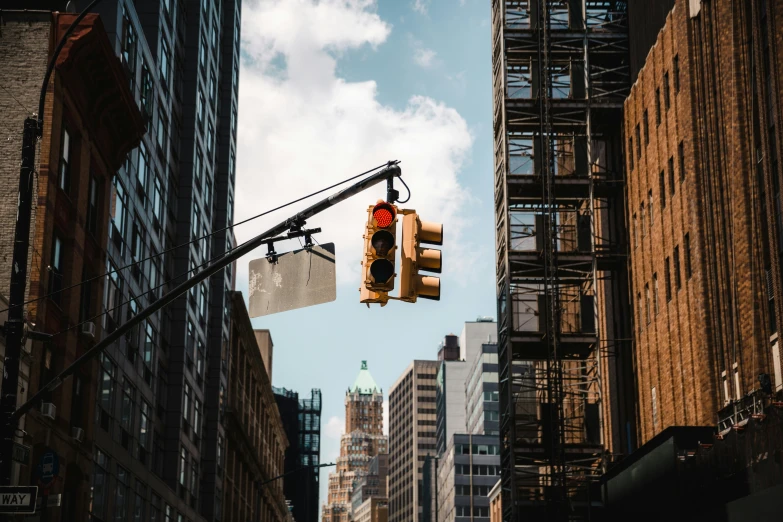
297 221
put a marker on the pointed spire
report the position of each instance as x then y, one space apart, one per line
364 382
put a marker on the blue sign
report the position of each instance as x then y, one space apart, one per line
48 468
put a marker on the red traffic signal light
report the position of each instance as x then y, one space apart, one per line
380 247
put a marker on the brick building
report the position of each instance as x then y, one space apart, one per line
90 122
255 438
703 198
412 437
363 439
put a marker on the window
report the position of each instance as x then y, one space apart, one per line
650 209
183 466
194 478
143 171
676 62
200 107
641 311
202 303
56 269
128 399
147 91
202 51
655 408
100 483
667 280
149 345
214 35
655 293
64 181
210 139
196 224
197 166
139 505
208 197
646 121
212 84
233 120
85 297
191 339
129 46
112 298
630 152
670 167
635 232
647 302
144 435
120 495
196 415
157 199
666 93
687 247
230 210
681 160
638 142
235 76
231 162
92 207
106 391
662 183
162 131
165 60
677 281
186 402
658 106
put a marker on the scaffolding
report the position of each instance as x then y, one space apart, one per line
560 76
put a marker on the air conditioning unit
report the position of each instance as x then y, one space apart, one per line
88 329
49 410
77 434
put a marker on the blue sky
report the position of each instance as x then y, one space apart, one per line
331 88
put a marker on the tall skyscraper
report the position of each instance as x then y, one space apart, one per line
363 439
704 194
560 76
176 188
302 424
412 437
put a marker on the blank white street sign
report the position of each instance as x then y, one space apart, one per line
298 279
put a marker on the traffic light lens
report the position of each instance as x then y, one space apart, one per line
381 270
382 242
383 213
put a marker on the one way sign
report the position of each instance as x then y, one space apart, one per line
18 499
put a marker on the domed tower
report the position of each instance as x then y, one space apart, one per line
363 439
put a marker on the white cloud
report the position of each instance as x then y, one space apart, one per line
301 127
424 57
421 6
334 428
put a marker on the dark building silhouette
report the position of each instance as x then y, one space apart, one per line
302 425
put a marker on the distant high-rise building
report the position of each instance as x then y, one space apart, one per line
363 439
474 334
482 414
302 423
412 437
450 402
371 485
704 201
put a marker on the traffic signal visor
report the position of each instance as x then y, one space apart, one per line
415 258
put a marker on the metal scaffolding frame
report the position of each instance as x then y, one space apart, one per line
560 76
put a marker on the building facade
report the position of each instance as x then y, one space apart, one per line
495 504
372 485
482 414
412 437
363 439
449 402
467 471
302 424
560 77
90 121
255 447
703 191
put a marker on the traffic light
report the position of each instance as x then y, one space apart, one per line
380 247
415 258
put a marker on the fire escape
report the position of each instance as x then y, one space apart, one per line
560 76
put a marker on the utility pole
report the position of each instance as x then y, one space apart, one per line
14 326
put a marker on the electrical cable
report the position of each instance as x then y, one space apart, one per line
406 188
174 248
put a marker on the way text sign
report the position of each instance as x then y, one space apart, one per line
18 499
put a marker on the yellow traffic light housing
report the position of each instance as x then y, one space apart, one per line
380 248
415 258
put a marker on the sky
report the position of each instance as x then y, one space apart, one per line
329 89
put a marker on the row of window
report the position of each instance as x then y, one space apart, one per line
477 491
645 218
645 115
476 449
478 511
477 469
652 303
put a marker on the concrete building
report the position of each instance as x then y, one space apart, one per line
467 471
704 199
90 122
255 437
474 334
412 437
495 504
265 344
363 439
482 416
302 424
373 484
374 509
450 402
